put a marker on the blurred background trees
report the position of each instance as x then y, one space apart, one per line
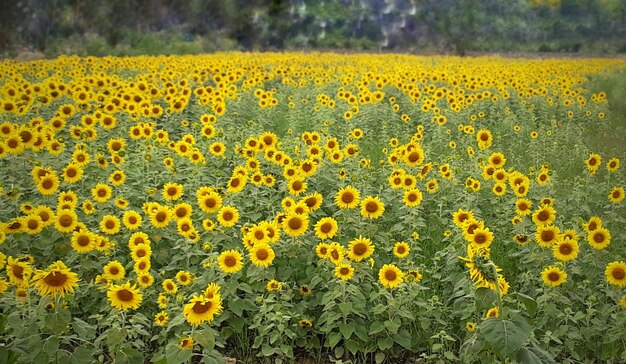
192 26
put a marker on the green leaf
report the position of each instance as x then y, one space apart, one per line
529 303
346 330
83 329
404 339
379 357
386 343
206 338
353 346
505 336
82 355
115 336
345 308
129 355
393 325
174 355
484 298
333 339
57 322
471 348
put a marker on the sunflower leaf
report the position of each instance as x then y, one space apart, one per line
484 298
506 336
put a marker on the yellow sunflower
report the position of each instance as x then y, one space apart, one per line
124 297
58 279
547 235
545 215
19 272
461 216
326 228
228 216
132 220
347 198
230 261
66 221
169 286
83 242
390 276
344 271
114 271
295 224
553 276
172 191
616 195
565 250
401 249
101 192
412 197
360 248
372 207
599 238
202 309
161 318
262 255
160 217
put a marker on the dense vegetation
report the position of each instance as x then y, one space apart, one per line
118 27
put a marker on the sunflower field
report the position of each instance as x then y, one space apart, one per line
310 207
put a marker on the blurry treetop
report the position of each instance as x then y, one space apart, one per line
100 27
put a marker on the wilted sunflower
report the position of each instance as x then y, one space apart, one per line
553 276
390 276
230 261
124 297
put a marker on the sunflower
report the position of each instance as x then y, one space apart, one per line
305 290
161 318
553 276
172 191
132 220
401 249
326 228
141 251
322 250
347 198
160 217
210 202
594 223
414 157
522 207
19 272
297 186
565 250
72 173
124 297
460 217
412 197
496 160
169 286
481 238
432 186
202 309
295 224
470 326
230 261
484 138
599 238
83 242
313 201
228 216
110 224
142 265
117 178
413 275
186 343
66 221
56 280
593 163
344 271
237 183
360 248
616 195
390 276
32 224
372 207
492 312
184 277
336 252
612 165
114 271
48 184
274 285
547 235
262 255
217 149
138 238
545 215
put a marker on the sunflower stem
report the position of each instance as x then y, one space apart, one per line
495 274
